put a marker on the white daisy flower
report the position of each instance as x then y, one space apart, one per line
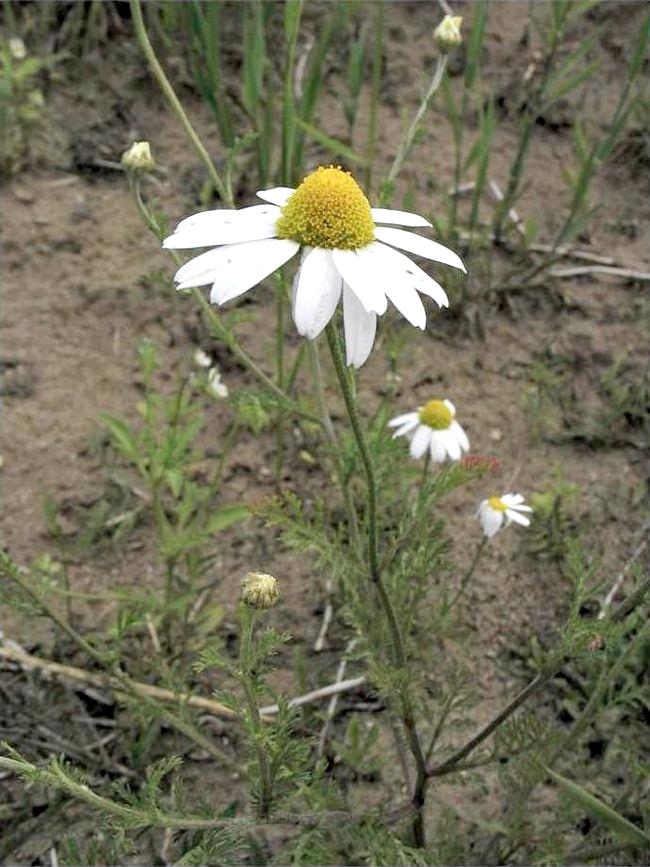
497 512
346 251
433 427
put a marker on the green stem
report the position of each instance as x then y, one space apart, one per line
328 427
467 577
423 482
397 641
175 104
409 140
279 363
247 679
371 488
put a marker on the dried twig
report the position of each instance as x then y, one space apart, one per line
621 576
323 692
319 644
13 652
331 708
582 270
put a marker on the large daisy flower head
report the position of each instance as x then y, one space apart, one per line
348 250
433 427
497 512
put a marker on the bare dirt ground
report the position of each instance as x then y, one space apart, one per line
78 298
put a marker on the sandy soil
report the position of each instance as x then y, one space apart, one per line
76 259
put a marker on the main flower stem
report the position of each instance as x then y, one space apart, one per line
397 641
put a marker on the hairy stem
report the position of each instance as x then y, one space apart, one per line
247 680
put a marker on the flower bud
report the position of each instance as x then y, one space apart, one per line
138 158
447 35
259 590
17 48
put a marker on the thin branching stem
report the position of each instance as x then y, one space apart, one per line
175 104
545 675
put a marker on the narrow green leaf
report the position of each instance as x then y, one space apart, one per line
333 145
600 811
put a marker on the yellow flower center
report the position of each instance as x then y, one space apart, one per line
497 504
436 414
328 210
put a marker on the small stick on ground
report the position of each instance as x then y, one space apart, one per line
331 708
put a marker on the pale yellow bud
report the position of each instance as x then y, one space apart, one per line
447 35
138 158
259 590
17 48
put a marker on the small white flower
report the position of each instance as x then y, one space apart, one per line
497 512
215 386
346 252
434 427
201 358
17 48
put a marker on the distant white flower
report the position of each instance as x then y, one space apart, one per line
434 427
202 359
497 512
215 386
345 252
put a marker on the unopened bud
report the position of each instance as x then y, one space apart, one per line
138 158
17 48
447 35
259 590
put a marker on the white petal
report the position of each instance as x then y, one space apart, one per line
521 508
399 420
277 195
356 269
451 444
200 270
228 217
491 520
437 448
407 428
318 289
516 518
450 406
398 286
421 441
244 265
412 273
512 499
397 218
460 435
360 327
424 247
236 233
